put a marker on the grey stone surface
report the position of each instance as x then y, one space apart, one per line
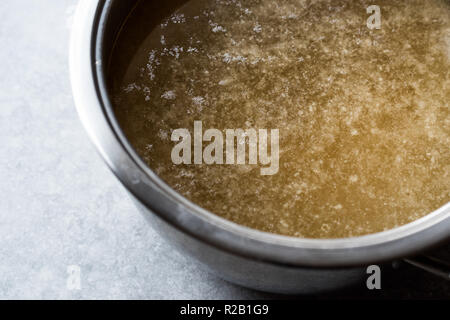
60 205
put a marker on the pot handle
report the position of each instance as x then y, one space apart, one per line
431 264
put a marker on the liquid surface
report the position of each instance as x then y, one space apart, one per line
363 113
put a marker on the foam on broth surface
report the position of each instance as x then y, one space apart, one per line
363 114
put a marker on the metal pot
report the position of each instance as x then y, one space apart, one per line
241 255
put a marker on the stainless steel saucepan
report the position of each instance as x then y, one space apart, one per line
241 255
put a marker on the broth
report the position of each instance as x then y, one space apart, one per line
363 114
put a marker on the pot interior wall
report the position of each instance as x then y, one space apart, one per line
117 13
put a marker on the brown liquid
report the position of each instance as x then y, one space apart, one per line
363 114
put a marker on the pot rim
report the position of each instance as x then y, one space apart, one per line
96 113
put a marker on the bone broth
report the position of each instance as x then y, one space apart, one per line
308 118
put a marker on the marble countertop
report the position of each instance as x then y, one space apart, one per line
61 208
